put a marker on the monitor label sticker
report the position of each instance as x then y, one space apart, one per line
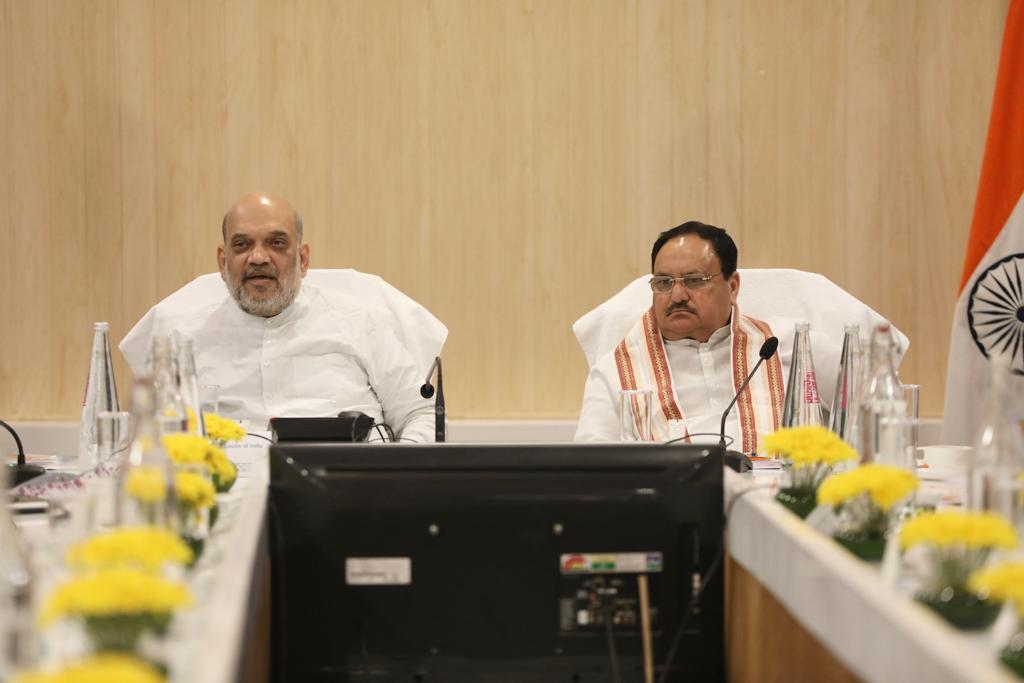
378 571
611 563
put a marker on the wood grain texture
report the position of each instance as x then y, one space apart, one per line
507 164
765 644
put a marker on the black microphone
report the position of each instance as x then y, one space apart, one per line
21 472
771 344
427 390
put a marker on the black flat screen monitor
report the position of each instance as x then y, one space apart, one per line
487 563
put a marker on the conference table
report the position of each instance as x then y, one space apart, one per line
799 607
225 636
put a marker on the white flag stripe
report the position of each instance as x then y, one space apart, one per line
967 375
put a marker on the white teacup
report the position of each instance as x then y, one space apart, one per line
946 457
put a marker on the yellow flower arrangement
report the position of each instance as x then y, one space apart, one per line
960 529
194 491
147 548
222 430
146 484
958 544
192 449
115 592
1003 583
864 497
808 454
883 485
185 449
806 446
101 668
222 470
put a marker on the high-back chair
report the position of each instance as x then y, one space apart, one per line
782 296
416 328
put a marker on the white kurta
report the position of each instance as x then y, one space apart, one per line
705 370
323 354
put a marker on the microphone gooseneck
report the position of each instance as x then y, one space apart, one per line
768 349
427 390
22 471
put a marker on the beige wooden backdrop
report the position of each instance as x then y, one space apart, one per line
507 163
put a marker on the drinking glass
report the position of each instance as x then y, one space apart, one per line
896 449
209 398
113 433
635 415
912 395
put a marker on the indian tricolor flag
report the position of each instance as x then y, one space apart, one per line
989 316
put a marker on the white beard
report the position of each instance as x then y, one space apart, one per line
287 290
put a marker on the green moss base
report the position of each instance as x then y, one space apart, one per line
870 548
800 502
964 610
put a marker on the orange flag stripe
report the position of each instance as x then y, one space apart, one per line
1002 170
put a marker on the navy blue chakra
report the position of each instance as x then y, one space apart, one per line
995 311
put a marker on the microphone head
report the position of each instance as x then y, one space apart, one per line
427 390
768 349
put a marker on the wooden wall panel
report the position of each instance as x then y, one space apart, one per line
137 147
7 257
508 164
31 346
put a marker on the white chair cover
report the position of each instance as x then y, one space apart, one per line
421 333
779 296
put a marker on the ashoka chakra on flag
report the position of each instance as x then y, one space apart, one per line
995 310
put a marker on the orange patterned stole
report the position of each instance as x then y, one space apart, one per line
642 364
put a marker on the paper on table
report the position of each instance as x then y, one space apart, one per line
758 462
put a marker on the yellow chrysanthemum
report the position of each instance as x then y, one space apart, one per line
807 446
221 466
1004 582
100 668
884 485
186 449
966 529
111 592
192 449
146 484
222 430
144 547
193 490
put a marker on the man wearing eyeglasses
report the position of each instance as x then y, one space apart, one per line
690 350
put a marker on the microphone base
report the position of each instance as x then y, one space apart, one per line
20 473
737 461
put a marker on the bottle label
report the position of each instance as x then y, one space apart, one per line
810 388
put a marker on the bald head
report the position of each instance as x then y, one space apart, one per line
262 259
261 201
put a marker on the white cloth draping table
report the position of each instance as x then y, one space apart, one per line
208 641
878 632
205 643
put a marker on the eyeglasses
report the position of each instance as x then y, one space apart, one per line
663 284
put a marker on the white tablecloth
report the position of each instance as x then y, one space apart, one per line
207 641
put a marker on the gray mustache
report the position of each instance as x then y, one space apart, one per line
260 273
